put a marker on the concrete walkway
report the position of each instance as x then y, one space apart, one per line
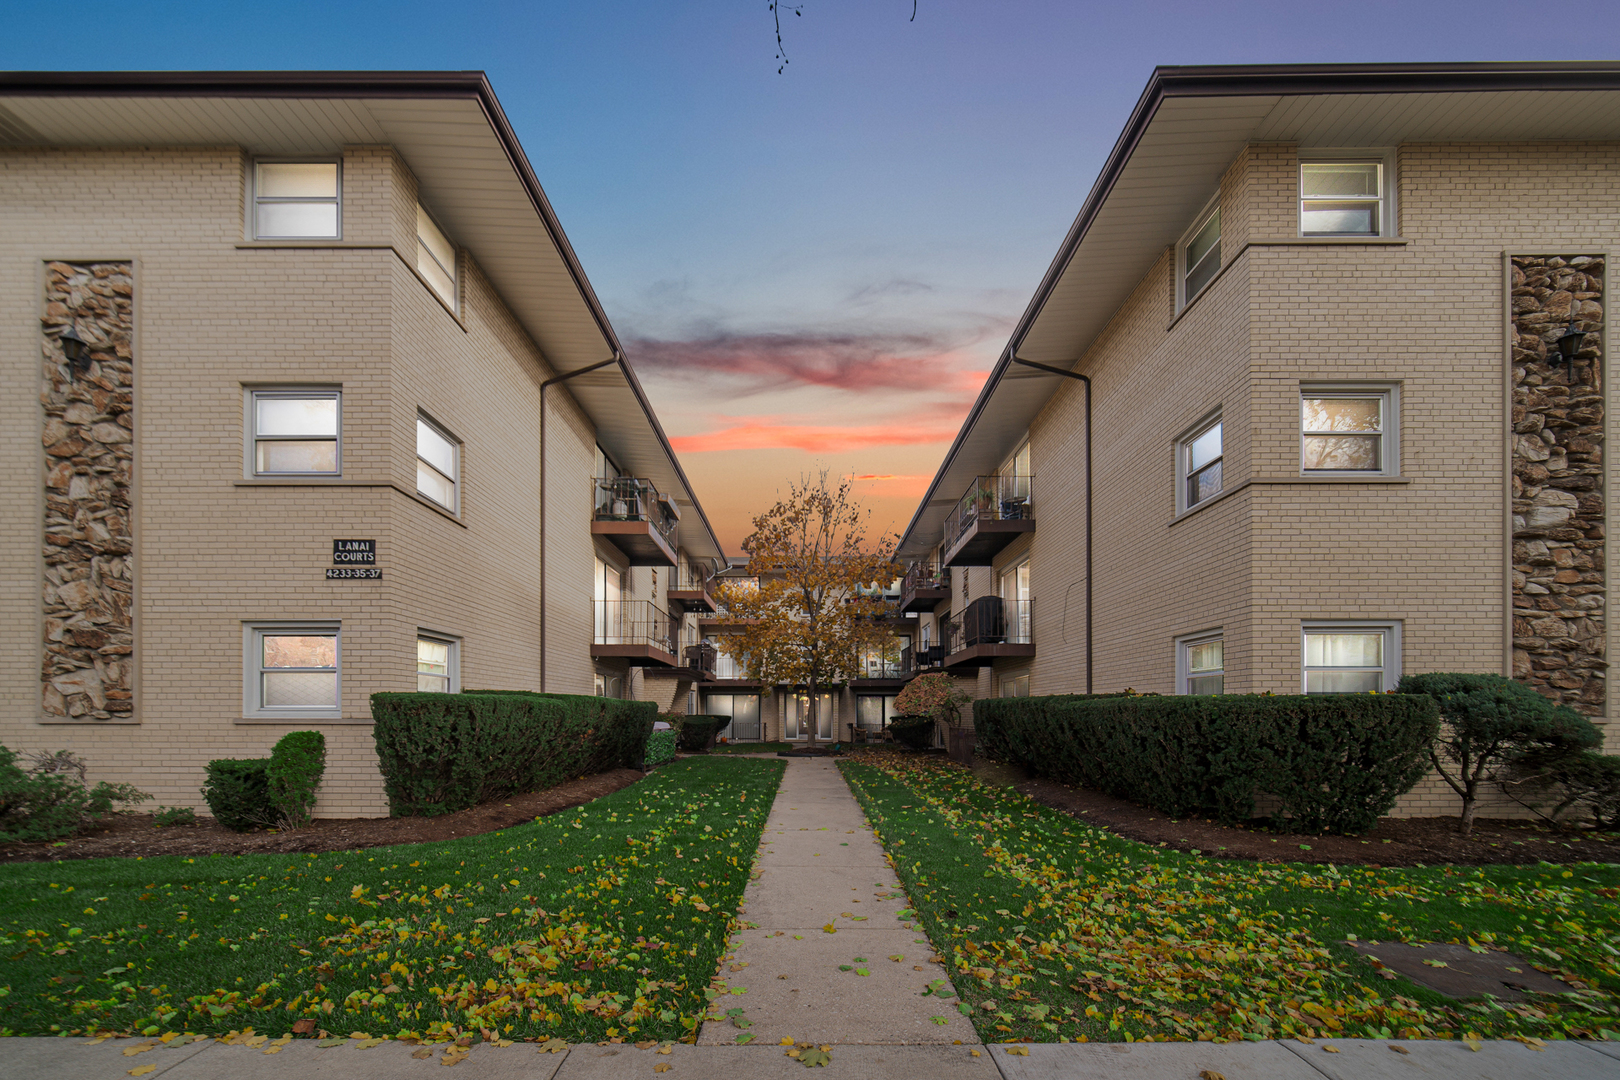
820 866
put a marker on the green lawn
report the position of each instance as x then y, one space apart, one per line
600 921
1056 930
752 748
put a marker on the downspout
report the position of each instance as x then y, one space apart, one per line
1013 353
545 497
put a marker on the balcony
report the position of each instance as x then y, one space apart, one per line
924 586
702 658
692 591
637 631
729 671
889 666
634 517
990 628
995 511
921 660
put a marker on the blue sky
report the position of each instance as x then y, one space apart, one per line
811 268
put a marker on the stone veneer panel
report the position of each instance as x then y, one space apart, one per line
1558 552
88 431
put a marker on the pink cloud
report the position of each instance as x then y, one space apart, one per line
758 435
844 361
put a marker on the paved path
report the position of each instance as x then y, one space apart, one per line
819 866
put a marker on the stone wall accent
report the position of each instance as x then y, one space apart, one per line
89 422
1558 504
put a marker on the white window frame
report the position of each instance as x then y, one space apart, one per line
253 707
1384 158
255 200
455 449
1183 450
1211 209
1184 645
1389 446
1390 628
251 396
424 250
1012 684
453 669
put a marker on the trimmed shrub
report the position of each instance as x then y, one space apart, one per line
916 732
660 748
445 752
48 803
296 766
237 791
1493 726
1587 780
698 732
1334 763
167 816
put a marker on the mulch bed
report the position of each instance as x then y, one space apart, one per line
132 835
1395 842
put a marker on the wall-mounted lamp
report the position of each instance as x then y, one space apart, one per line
1570 342
76 349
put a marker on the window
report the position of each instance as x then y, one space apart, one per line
435 258
437 667
1200 254
1201 663
1015 686
1341 198
295 200
436 455
293 432
1351 658
1198 464
796 718
874 711
610 609
292 671
1016 603
1347 429
743 710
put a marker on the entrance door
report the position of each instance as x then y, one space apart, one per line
797 722
743 710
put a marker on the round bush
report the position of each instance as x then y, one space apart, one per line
916 732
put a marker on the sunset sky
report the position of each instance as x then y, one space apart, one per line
814 268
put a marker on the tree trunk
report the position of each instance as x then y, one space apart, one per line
1466 825
810 737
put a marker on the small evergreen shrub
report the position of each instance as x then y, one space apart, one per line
167 816
53 802
916 732
237 791
698 732
1585 781
296 766
445 752
1334 762
660 748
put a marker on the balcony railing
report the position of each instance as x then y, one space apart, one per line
990 499
990 620
634 622
924 585
630 498
729 667
702 658
915 660
880 667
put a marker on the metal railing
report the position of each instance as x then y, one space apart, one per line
634 622
630 498
990 498
702 658
923 575
990 620
889 664
920 658
688 579
729 667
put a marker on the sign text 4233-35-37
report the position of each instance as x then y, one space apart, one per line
334 572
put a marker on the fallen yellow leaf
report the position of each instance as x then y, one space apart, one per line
1331 1049
138 1048
141 1070
975 1053
829 929
662 1066
785 1042
1211 1074
423 1053
1018 1051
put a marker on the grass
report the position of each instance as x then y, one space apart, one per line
1058 931
752 748
600 922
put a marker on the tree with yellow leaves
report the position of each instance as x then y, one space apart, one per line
814 612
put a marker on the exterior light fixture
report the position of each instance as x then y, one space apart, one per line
76 349
1569 343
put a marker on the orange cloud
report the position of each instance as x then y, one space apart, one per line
815 439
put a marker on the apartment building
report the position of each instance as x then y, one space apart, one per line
1311 396
306 396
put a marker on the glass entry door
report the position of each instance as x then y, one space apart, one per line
796 724
743 710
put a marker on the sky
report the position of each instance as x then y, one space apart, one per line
812 269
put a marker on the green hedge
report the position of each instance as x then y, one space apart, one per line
297 764
916 732
698 731
237 791
445 752
1334 762
660 748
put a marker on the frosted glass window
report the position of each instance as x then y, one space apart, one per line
435 258
1200 457
293 671
1201 256
1346 430
296 200
295 432
434 660
1347 661
1203 665
1341 198
436 455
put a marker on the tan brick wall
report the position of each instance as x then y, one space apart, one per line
213 314
1427 314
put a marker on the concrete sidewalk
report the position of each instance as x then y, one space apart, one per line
820 866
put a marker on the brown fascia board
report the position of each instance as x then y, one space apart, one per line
363 84
1253 80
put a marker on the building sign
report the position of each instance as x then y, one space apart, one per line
354 553
336 573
